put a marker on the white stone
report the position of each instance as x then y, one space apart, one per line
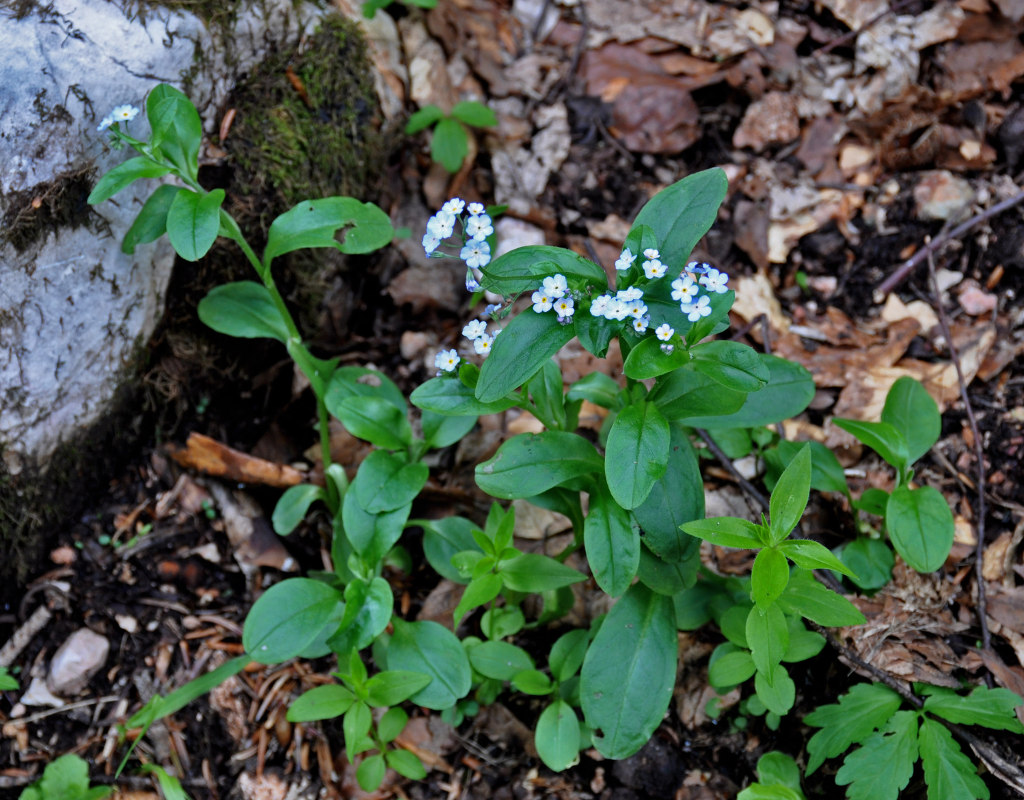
80 657
74 308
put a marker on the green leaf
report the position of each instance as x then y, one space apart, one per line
612 542
449 145
315 223
790 388
883 766
778 769
731 668
348 382
385 482
151 222
881 437
368 608
499 660
525 344
502 621
524 268
803 644
648 360
682 213
7 681
912 411
480 591
533 572
826 472
376 421
557 737
391 724
321 702
597 388
176 128
760 791
805 597
123 175
668 578
169 785
674 500
767 637
567 654
473 113
372 535
160 707
65 778
531 463
865 708
287 618
920 526
292 506
768 577
629 672
948 773
391 687
871 561
355 726
193 221
442 539
779 695
243 309
731 364
636 454
992 708
370 772
532 682
434 650
448 395
423 119
686 395
727 532
440 430
812 555
789 498
405 764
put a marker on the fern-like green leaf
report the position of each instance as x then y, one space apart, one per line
950 775
866 708
883 765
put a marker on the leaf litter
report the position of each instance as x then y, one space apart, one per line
853 133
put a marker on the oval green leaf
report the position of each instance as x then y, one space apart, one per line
612 543
636 454
629 672
434 650
920 526
193 221
243 309
287 618
522 349
531 463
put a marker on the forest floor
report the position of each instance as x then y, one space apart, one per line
857 138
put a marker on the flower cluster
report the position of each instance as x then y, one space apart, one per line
125 113
627 304
476 227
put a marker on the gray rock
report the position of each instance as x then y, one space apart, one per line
80 657
73 308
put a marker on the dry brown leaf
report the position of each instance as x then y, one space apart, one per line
213 458
652 112
771 120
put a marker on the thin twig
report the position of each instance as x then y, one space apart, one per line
726 462
911 263
828 47
878 674
979 455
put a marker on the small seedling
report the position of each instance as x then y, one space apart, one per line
450 143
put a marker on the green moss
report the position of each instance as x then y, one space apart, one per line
306 124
